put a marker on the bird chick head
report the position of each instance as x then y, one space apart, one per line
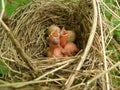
64 32
52 28
54 37
63 37
55 41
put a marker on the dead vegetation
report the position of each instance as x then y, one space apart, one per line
25 54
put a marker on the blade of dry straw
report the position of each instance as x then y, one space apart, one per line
101 74
107 83
52 71
117 26
3 9
21 84
89 43
117 4
110 11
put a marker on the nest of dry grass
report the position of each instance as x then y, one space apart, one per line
29 25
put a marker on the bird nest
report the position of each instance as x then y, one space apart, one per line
29 26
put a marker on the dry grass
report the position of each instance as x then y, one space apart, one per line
29 25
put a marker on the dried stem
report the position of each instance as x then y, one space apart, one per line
117 4
117 26
70 80
101 74
3 9
21 84
52 71
116 45
104 50
110 11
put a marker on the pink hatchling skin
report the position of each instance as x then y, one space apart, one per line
71 48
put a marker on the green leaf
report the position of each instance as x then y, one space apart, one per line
116 22
12 5
117 32
116 81
107 1
3 69
10 9
108 15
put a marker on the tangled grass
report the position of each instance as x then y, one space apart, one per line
29 25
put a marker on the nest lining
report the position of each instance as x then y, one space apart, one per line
29 25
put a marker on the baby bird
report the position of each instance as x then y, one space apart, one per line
71 49
61 42
71 36
52 28
66 36
54 38
53 42
63 37
58 52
